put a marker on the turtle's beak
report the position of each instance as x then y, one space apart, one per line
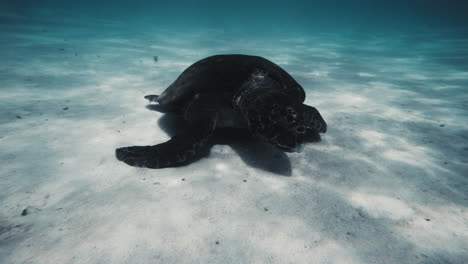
298 148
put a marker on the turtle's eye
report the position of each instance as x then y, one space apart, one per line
300 129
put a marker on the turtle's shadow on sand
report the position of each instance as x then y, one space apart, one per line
254 153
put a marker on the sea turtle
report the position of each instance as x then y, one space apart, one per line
238 91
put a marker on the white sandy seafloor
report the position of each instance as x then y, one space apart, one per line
387 183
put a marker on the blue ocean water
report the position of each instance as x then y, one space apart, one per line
262 15
417 21
386 184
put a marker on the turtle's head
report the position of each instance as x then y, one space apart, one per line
284 124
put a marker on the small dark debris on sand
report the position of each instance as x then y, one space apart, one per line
265 209
361 213
25 212
217 242
155 58
65 108
427 219
183 180
244 180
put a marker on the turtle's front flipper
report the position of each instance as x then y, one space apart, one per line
179 150
182 149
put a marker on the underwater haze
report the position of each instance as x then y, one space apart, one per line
254 17
387 183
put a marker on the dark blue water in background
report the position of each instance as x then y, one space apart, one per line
261 16
404 28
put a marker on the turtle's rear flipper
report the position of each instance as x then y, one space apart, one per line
152 98
180 150
159 107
